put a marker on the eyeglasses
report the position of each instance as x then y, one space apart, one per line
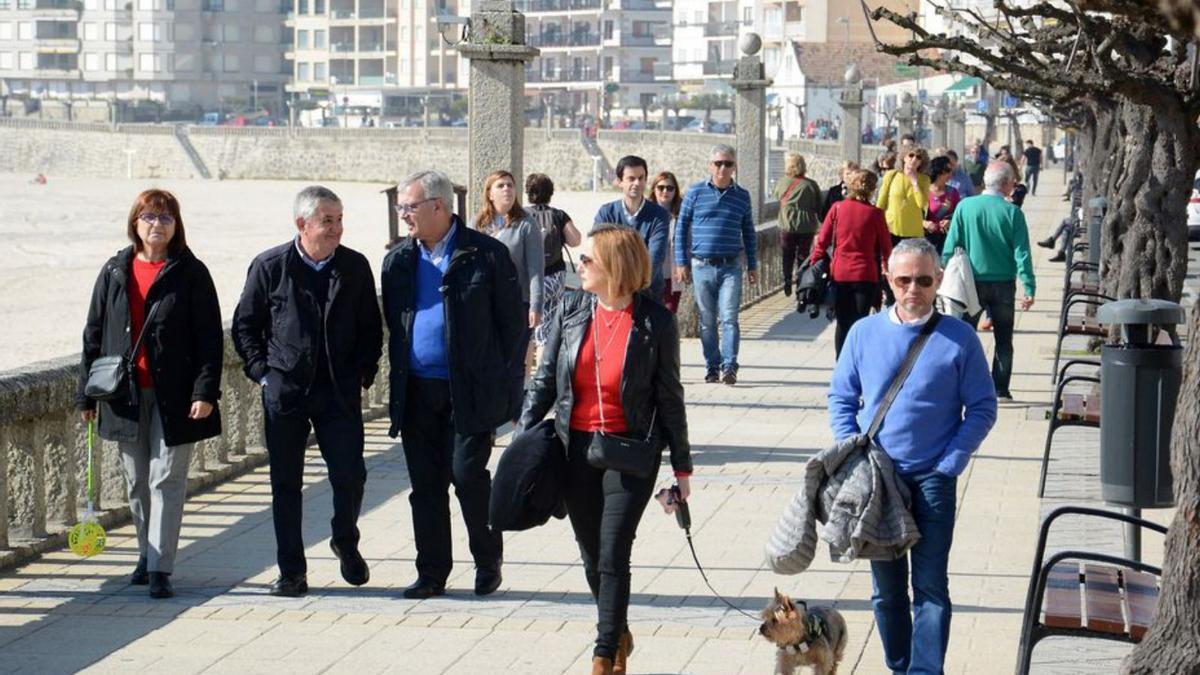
405 209
585 260
665 188
164 219
924 281
724 163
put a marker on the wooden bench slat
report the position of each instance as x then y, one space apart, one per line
1102 595
1141 599
1062 597
1091 405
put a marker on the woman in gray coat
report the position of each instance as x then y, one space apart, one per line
503 218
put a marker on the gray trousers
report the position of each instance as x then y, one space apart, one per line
156 475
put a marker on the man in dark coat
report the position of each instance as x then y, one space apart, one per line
309 331
454 311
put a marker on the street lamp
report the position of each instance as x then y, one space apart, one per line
453 29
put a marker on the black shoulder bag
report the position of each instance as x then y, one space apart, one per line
109 375
634 456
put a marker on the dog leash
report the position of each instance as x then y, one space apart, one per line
683 516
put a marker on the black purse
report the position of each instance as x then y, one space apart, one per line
633 456
108 376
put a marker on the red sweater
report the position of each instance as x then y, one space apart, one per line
863 241
585 416
144 274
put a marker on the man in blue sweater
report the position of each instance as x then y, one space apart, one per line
941 415
633 210
715 227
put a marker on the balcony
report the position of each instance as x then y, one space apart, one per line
370 48
717 68
644 41
58 9
635 76
720 29
344 47
558 6
571 75
342 15
371 80
645 5
552 40
62 45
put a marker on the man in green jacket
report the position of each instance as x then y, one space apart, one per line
996 239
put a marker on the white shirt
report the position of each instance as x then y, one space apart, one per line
919 321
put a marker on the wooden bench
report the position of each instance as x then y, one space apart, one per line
1087 594
1071 409
1085 325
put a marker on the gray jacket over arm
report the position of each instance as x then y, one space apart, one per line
524 242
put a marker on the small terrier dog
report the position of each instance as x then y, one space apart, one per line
804 636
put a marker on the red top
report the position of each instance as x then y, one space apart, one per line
611 328
144 274
863 241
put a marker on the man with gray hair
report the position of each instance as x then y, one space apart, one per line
995 237
714 229
945 409
308 330
455 317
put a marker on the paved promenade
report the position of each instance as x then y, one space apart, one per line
750 442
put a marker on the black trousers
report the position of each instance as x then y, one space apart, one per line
796 247
605 508
437 458
853 300
340 438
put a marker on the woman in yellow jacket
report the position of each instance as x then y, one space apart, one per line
904 195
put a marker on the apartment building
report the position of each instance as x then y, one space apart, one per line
378 58
183 54
598 55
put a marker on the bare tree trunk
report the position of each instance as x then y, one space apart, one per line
1145 229
1173 643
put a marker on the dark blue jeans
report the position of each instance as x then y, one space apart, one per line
915 635
999 300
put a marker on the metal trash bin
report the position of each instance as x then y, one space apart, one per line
1139 385
1096 208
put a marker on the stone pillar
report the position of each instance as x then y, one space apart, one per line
940 123
57 435
956 134
750 115
496 121
852 107
906 117
26 480
4 490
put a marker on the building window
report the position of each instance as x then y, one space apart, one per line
6 4
147 32
302 72
148 63
231 63
318 6
320 71
5 31
646 66
110 62
214 5
264 34
302 7
25 30
264 63
608 29
748 16
301 39
185 63
25 60
319 39
232 34
91 62
24 4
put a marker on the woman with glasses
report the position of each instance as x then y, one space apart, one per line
799 208
158 291
665 192
612 366
942 200
861 246
904 198
503 218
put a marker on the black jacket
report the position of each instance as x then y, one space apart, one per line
833 195
184 347
530 481
484 320
649 381
277 327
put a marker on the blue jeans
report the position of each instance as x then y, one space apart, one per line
916 642
999 300
718 291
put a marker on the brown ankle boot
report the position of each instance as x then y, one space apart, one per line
602 666
624 649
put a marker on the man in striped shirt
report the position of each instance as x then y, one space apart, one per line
715 226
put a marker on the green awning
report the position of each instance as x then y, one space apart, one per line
964 85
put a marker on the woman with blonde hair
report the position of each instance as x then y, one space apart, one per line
799 212
837 193
503 218
862 245
904 198
612 368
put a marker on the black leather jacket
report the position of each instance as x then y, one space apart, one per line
649 382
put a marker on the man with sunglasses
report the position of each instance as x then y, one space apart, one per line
633 210
945 409
454 313
995 236
714 229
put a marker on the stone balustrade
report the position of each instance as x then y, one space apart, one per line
43 452
770 276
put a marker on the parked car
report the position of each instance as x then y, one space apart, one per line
1194 210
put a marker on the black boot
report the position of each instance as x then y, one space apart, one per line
1059 257
1048 242
787 288
160 585
140 577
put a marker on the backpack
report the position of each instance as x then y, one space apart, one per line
552 239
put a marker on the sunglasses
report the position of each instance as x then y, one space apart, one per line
585 260
665 188
164 219
724 163
924 281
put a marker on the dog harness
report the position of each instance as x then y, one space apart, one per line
815 629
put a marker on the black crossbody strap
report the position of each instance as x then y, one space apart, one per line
914 350
141 334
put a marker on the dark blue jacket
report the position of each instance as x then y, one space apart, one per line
653 222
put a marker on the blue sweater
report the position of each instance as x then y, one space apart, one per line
653 222
715 224
427 353
945 408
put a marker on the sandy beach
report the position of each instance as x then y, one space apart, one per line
63 232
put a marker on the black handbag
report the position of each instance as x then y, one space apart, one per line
108 376
633 456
